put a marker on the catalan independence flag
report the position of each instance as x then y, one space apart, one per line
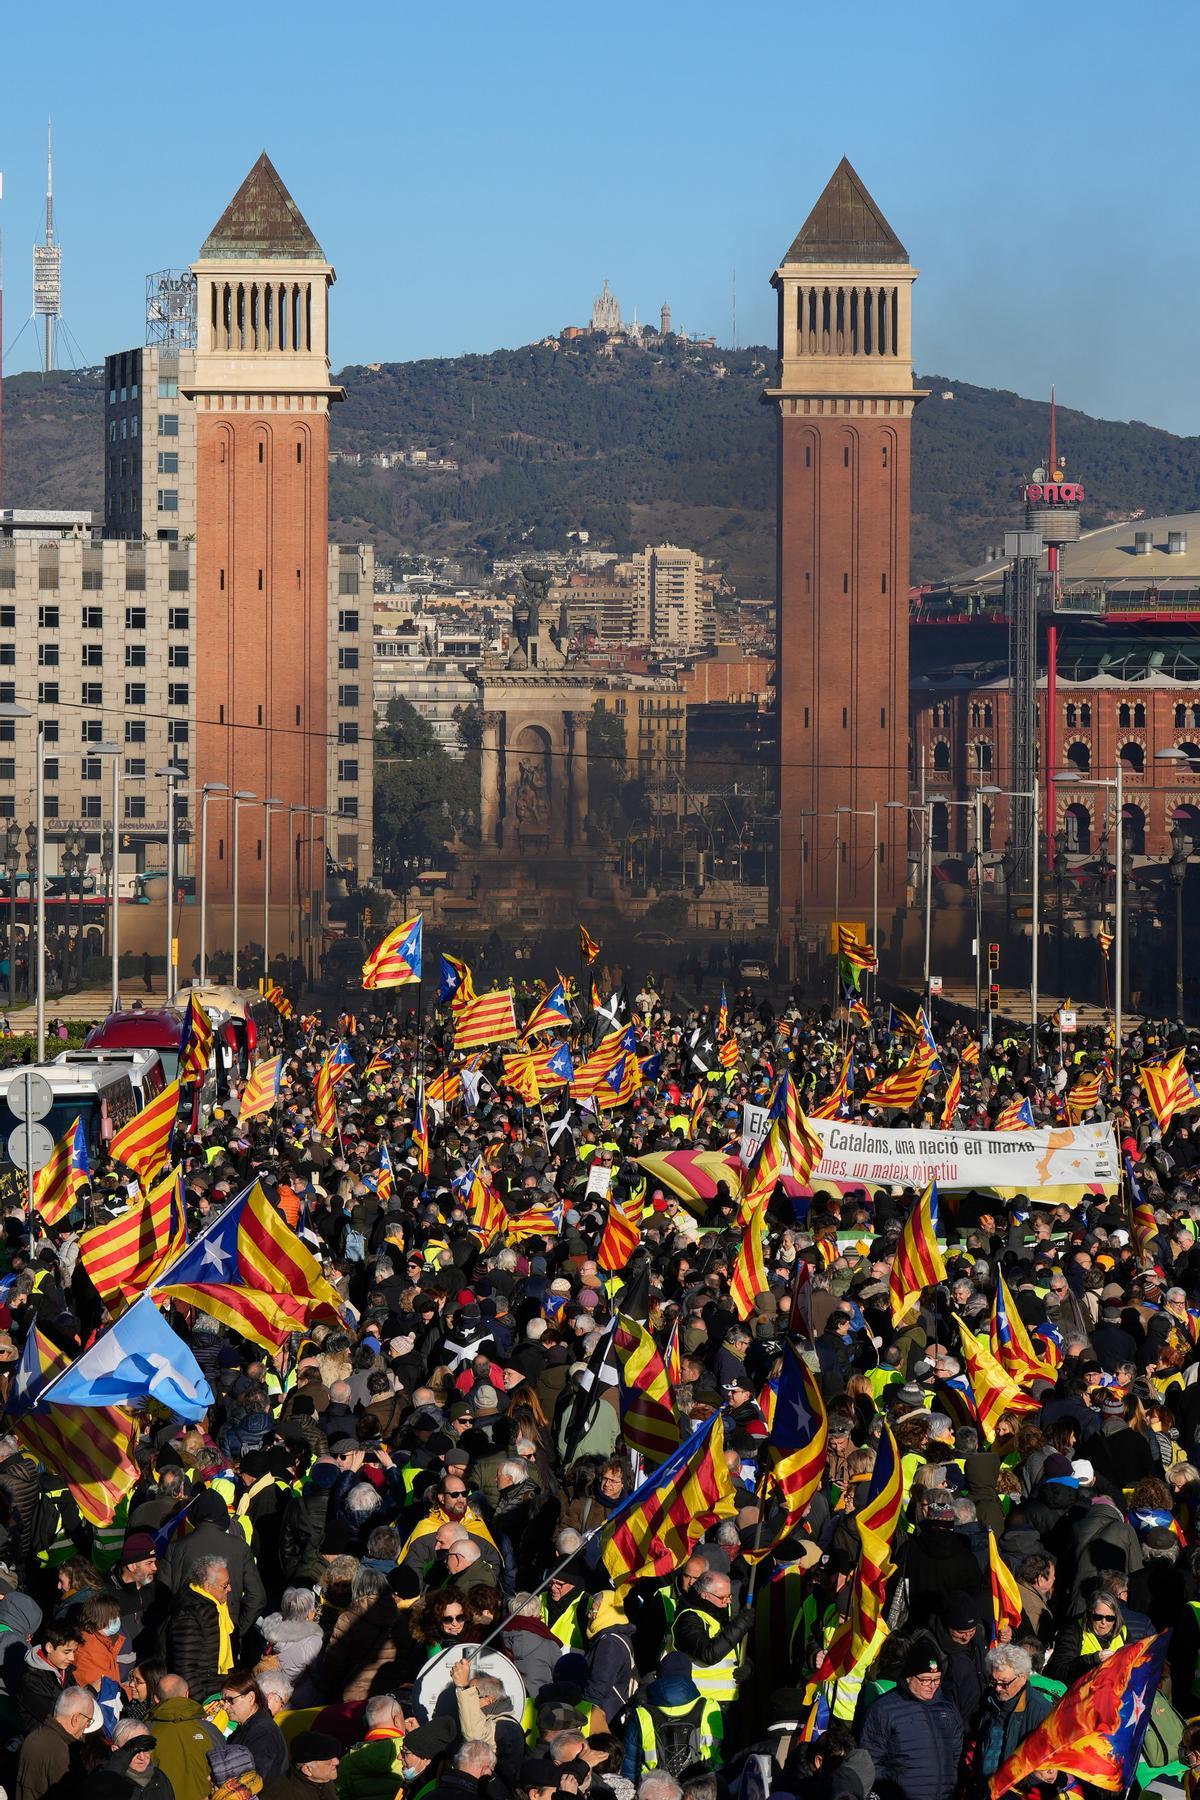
796 1446
648 1422
485 1209
1016 1116
749 1277
249 1270
260 1092
903 1089
952 1101
88 1447
1007 1605
831 1106
994 1391
124 1255
1083 1096
57 1184
621 1082
197 1043
536 1221
487 1019
876 1520
144 1144
324 1103
589 949
1096 1731
1011 1343
1169 1088
918 1262
385 1179
551 1012
591 1074
396 961
455 984
662 1520
618 1241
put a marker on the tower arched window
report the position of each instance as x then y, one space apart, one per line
1134 757
987 712
1180 717
1078 825
1085 712
940 829
1124 713
941 757
1070 713
1080 757
983 755
1139 714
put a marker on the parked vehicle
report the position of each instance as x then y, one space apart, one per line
101 1095
145 1068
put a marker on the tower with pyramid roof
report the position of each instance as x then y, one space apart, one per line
262 395
844 399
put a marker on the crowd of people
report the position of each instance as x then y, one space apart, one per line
376 1567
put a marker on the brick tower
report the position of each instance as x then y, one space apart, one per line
844 398
262 393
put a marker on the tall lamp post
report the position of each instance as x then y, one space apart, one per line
271 804
36 839
1178 867
171 775
926 811
114 931
294 807
12 857
1117 787
242 797
209 788
861 812
1059 866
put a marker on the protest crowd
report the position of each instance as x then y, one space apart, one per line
472 1409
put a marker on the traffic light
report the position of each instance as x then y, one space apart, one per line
993 956
994 997
366 916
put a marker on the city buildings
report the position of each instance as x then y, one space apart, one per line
427 663
843 398
674 605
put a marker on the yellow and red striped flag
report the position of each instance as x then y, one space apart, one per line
1007 1605
88 1447
197 1043
621 1083
995 1392
799 1430
619 1239
445 1088
144 1144
589 949
905 1087
396 960
591 1074
325 1105
648 1422
831 1106
728 1053
250 1270
1016 1116
487 1019
420 1132
673 1361
668 1515
124 1255
952 1100
802 1147
1082 1097
699 1096
274 995
66 1171
485 1208
261 1089
970 1054
1010 1342
749 1277
520 1074
876 1521
918 1263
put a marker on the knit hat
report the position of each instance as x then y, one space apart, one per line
229 1762
208 1508
428 1741
138 1547
1111 1405
921 1658
315 1746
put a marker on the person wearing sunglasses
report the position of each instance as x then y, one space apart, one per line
1012 1708
1086 1642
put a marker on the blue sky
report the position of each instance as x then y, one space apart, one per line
475 171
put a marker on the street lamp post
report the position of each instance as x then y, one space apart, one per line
861 812
1178 867
293 860
171 775
209 788
270 804
12 709
242 797
114 930
12 853
1117 785
1060 871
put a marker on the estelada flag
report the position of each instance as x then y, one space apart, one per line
1096 1731
123 1255
953 1097
250 1270
661 1521
796 1445
904 1088
550 1012
1016 1116
261 1089
1007 1605
58 1182
397 959
487 1019
144 1144
589 949
749 1277
918 1262
994 1390
197 1043
619 1240
648 1422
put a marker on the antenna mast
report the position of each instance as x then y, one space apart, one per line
47 266
734 292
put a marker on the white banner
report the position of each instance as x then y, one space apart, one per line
754 1131
1001 1162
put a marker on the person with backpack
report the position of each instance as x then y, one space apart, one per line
674 1726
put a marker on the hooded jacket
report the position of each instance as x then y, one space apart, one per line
182 1739
295 1642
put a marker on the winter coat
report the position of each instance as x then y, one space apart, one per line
914 1744
261 1736
112 1781
1004 1724
372 1770
293 1642
295 1786
96 1658
35 1689
1120 1455
20 1481
361 1644
612 1672
936 1562
535 1650
1102 1542
247 1595
182 1739
194 1643
50 1764
303 1527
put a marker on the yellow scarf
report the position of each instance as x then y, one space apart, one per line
224 1629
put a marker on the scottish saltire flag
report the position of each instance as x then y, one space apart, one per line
137 1359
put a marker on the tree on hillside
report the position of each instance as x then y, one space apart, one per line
423 797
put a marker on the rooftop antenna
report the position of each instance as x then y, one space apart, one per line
1053 452
47 265
735 309
1 349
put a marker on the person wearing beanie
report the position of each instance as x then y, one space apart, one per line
936 1561
133 1584
673 1727
315 1757
914 1734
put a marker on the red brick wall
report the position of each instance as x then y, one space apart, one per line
262 511
716 679
843 651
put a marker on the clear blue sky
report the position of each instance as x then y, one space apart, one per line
475 171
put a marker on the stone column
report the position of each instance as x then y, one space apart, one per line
489 780
577 737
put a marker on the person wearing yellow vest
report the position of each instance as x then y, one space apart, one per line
674 1726
200 1629
709 1637
563 1610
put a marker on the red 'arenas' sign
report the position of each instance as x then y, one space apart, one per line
1054 493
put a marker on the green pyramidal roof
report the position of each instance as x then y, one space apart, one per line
262 220
846 226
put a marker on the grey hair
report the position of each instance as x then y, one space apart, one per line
368 1584
274 1681
362 1503
468 1550
706 1580
127 1728
940 1426
73 1699
297 1603
964 1510
382 1709
657 1785
475 1755
513 1469
206 1568
1009 1656
568 1541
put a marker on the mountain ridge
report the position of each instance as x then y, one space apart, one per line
632 446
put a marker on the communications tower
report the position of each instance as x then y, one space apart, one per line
47 267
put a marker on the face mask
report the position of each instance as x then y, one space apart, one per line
113 1629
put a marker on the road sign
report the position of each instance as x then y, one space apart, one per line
29 1096
34 1153
935 984
1066 1020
